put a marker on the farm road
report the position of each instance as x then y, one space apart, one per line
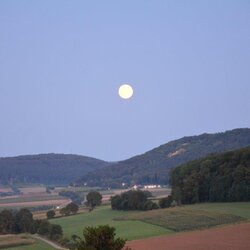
56 246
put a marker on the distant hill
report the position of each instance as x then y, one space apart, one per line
218 177
47 168
154 166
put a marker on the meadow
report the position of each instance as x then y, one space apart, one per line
14 240
133 225
183 219
38 245
105 215
236 208
137 225
22 242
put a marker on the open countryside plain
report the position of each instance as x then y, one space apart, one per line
32 197
137 225
105 215
165 224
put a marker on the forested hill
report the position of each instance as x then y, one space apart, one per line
46 168
154 166
218 177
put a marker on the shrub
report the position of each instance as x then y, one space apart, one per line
55 231
99 238
44 228
133 200
166 202
50 214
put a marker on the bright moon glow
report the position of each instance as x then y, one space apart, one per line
126 91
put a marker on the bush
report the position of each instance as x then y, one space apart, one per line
72 208
149 205
133 200
99 238
64 211
50 214
44 228
166 202
55 231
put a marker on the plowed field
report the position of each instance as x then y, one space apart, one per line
234 237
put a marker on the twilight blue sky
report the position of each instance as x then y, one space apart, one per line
61 63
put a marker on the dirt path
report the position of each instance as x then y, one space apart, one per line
234 237
56 246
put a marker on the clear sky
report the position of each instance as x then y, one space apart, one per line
62 62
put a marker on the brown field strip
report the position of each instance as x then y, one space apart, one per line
43 214
5 190
12 240
35 203
233 237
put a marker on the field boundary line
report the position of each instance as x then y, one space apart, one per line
51 243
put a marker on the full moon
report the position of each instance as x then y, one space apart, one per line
125 91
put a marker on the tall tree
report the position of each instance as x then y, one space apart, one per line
94 199
72 207
55 231
50 214
99 238
24 221
7 221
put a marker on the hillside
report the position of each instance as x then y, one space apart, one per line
218 177
154 166
46 168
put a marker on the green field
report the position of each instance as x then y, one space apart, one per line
236 208
136 225
183 219
37 245
198 216
105 215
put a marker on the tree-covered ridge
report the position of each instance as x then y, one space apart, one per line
218 177
154 166
46 168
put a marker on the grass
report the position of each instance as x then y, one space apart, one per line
105 215
14 240
38 245
136 225
183 219
236 208
22 242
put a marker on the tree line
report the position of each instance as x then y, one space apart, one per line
133 200
21 221
217 178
